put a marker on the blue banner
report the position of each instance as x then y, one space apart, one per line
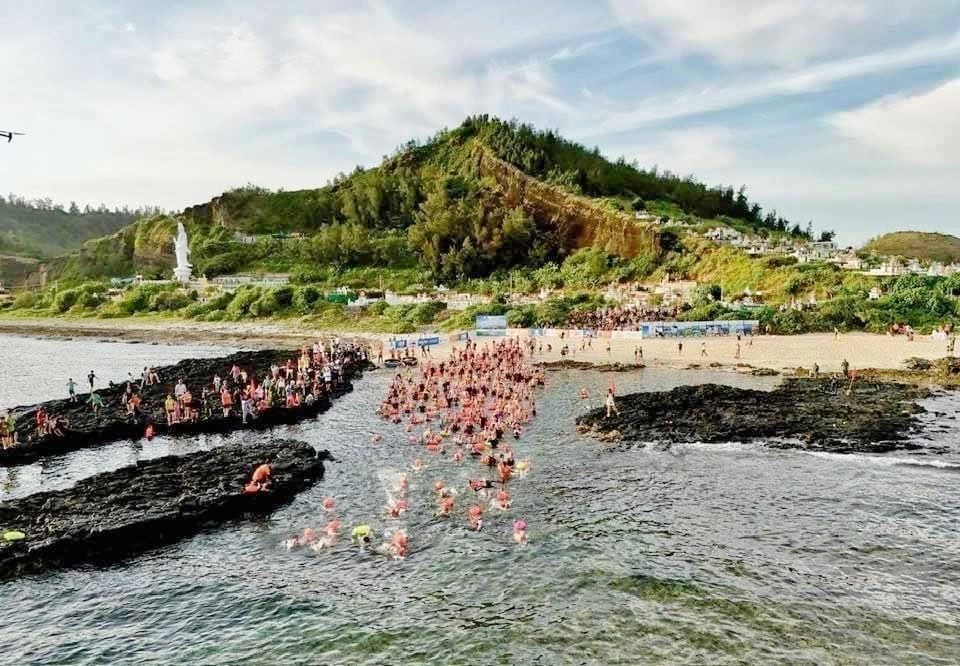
537 332
427 342
398 344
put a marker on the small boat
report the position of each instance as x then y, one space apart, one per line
410 361
391 363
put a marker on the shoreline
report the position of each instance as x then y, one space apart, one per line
780 354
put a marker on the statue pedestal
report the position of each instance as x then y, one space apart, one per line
182 274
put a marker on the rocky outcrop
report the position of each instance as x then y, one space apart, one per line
87 428
580 219
567 364
800 413
155 502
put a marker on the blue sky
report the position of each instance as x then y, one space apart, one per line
843 113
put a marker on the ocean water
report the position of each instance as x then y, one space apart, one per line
694 553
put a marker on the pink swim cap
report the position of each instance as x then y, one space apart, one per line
519 525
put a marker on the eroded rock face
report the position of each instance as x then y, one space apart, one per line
87 428
155 502
800 413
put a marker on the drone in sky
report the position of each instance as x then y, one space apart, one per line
8 135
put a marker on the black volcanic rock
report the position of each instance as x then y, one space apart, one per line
89 429
155 502
800 413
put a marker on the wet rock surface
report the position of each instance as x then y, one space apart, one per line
155 502
816 414
87 428
567 364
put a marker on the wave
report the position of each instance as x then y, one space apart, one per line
886 461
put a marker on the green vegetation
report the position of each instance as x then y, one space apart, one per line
489 207
42 228
486 196
924 246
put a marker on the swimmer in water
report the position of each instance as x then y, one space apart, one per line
329 503
446 506
475 517
522 467
520 532
397 507
331 531
503 500
584 395
458 455
417 465
308 538
399 544
376 437
362 535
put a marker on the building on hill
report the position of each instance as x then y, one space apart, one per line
891 267
724 235
673 292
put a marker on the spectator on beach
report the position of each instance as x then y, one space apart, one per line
72 389
90 378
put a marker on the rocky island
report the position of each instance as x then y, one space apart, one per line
155 502
79 425
818 414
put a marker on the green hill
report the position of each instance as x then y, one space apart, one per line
477 200
917 245
488 207
41 228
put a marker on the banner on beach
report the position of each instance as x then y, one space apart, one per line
398 344
588 333
428 342
537 332
460 337
491 322
491 332
673 329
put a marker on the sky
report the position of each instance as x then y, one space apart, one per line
846 114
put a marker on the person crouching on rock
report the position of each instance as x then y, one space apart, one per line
260 479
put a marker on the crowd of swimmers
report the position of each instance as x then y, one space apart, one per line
469 406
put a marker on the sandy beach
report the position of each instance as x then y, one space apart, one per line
776 352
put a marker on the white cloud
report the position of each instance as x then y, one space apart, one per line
708 99
781 32
922 129
172 105
708 149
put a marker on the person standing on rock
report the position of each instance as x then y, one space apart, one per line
703 348
72 389
226 401
90 378
680 348
845 368
611 404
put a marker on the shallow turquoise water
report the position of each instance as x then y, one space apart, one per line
687 554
